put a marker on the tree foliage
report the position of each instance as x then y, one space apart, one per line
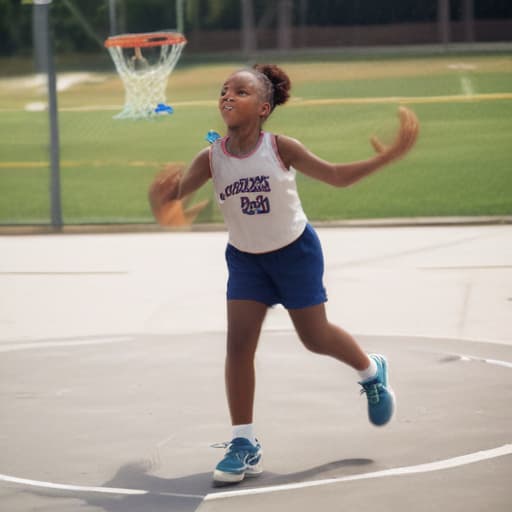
78 25
15 27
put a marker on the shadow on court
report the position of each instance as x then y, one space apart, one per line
185 494
111 375
80 410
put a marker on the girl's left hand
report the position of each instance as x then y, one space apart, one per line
405 139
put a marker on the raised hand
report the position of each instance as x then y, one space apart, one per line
405 139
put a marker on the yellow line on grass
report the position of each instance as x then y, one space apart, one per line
300 102
405 99
41 164
296 102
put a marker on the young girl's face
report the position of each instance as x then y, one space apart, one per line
241 100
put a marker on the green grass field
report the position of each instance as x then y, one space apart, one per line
461 166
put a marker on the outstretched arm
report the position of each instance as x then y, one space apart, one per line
296 155
172 186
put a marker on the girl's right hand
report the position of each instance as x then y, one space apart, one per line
165 186
164 192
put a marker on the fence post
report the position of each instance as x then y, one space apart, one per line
248 32
468 15
284 22
112 17
443 20
44 51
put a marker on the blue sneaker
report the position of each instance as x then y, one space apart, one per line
242 459
381 399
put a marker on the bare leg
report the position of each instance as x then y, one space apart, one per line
322 337
245 318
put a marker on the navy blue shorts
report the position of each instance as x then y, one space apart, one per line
291 276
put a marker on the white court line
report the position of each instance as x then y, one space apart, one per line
11 347
496 362
431 337
407 470
82 488
65 487
454 462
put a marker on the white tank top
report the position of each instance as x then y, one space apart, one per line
258 196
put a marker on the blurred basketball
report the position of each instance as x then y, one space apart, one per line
169 212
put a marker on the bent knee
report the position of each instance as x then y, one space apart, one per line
313 343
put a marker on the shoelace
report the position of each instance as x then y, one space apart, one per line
372 392
241 455
224 444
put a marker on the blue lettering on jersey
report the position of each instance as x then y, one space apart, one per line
259 205
246 186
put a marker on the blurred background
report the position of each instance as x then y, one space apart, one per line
80 26
66 160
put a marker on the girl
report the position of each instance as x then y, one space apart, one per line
274 255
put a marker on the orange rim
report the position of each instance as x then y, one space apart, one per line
145 40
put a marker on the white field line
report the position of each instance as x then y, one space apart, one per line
403 471
467 86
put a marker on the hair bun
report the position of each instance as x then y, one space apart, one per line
279 80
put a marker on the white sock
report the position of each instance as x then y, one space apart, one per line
246 431
369 373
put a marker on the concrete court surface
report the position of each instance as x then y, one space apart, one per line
111 376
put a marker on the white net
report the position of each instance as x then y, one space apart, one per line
144 63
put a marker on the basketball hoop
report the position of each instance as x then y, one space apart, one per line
144 63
